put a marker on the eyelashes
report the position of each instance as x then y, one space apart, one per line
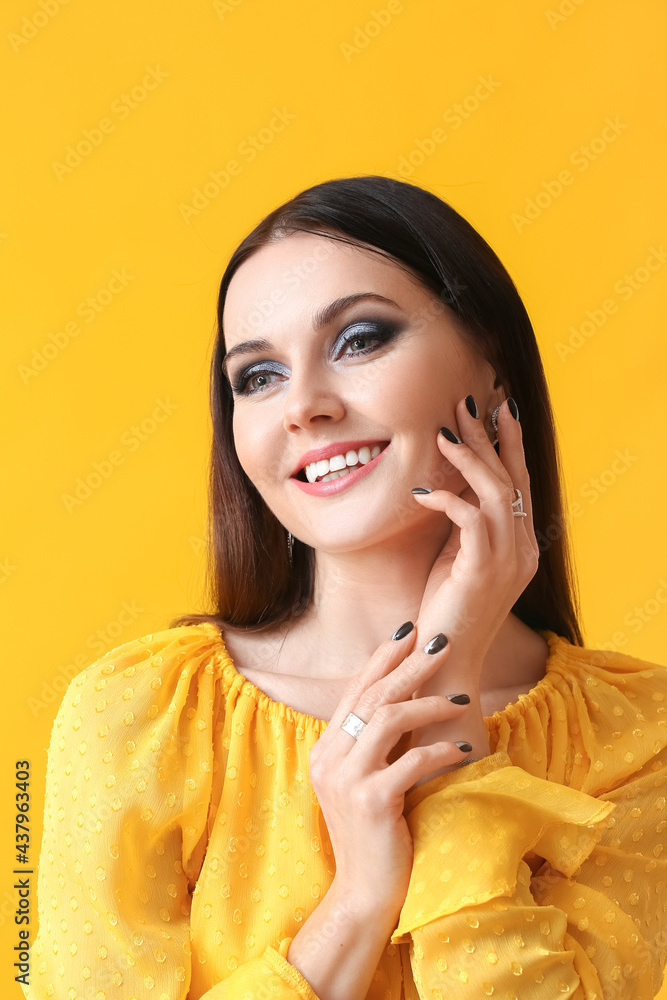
380 330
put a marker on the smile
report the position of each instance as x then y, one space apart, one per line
340 465
340 471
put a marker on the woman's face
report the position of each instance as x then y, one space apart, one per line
383 372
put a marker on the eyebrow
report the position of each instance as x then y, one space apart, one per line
322 318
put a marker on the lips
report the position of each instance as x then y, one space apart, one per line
329 450
333 486
340 465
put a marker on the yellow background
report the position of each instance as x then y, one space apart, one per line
358 99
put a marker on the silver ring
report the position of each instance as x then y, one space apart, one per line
353 725
518 502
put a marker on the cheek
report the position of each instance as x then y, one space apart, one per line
246 452
418 389
257 457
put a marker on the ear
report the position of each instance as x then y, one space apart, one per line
495 394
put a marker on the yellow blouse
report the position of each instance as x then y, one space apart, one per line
184 846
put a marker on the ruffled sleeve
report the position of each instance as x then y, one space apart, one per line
590 923
126 826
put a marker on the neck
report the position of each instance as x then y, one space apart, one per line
362 596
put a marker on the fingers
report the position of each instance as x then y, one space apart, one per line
493 477
470 521
384 660
391 676
512 455
390 721
404 680
420 762
475 457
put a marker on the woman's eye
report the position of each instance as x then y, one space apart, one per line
360 337
254 382
244 384
258 375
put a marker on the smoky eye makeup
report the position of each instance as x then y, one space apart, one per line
379 330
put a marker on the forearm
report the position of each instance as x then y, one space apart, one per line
339 946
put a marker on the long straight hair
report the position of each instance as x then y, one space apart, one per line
250 584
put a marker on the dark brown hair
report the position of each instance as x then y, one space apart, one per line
250 582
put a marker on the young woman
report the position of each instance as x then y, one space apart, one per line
384 765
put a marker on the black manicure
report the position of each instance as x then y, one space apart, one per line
437 643
459 699
450 435
463 746
472 406
403 630
513 408
421 489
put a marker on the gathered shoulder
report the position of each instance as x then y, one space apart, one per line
617 706
138 724
157 654
643 682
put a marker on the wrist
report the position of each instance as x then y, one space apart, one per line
360 905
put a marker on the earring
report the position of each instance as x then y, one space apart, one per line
290 545
494 421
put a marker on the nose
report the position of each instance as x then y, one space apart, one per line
311 399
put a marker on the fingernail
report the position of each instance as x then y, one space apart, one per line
437 643
463 746
472 406
450 435
513 408
459 699
403 630
421 489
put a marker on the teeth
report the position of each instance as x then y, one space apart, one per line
336 475
331 468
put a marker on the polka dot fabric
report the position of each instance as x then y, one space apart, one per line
184 846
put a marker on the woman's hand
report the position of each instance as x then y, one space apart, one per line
361 795
490 555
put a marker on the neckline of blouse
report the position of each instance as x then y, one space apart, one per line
232 678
